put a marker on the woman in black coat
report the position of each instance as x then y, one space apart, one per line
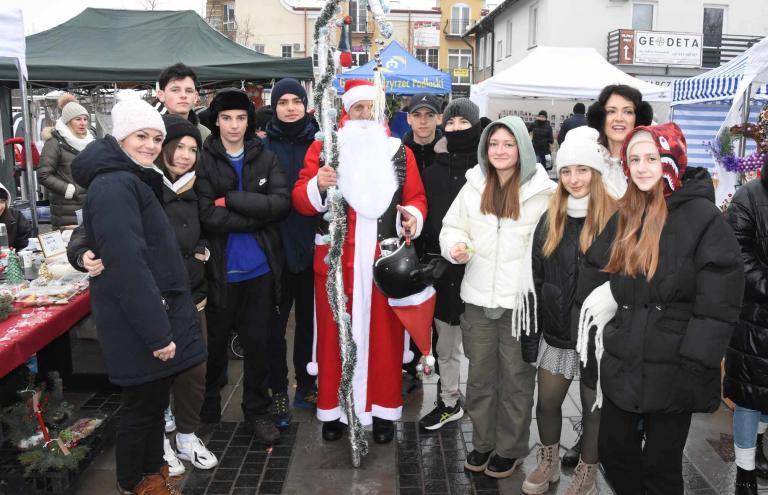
146 320
674 293
578 212
746 361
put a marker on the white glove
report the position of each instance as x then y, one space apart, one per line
70 192
598 309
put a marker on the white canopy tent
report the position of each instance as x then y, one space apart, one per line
563 73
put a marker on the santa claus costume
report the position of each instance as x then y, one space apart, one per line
375 174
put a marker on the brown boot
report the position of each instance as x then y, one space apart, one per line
584 480
156 484
548 471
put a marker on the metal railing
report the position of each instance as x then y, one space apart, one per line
457 27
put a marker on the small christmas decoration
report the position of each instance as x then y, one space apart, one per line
722 148
345 43
6 305
14 275
426 366
44 273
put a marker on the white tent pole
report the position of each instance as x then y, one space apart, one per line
745 118
31 179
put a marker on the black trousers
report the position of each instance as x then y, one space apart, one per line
248 312
140 432
632 468
298 292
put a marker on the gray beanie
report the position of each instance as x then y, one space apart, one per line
72 110
462 107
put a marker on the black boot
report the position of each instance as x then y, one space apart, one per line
572 456
761 463
383 430
333 430
746 483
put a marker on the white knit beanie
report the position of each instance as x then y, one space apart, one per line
72 110
581 148
131 114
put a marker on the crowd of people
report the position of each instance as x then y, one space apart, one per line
621 273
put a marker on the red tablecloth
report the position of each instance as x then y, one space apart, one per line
31 329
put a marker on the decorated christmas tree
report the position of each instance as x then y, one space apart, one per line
14 274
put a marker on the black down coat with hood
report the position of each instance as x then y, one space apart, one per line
664 346
746 361
141 302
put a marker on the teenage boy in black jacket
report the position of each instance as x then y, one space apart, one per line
243 195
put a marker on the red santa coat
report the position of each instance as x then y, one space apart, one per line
379 335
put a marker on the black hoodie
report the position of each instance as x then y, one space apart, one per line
424 153
664 346
141 302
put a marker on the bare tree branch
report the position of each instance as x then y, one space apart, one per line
244 31
150 4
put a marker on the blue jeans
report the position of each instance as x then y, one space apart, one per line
745 423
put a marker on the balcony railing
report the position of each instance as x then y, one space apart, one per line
457 27
731 45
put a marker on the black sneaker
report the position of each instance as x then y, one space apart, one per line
441 415
746 482
264 429
280 410
477 461
501 467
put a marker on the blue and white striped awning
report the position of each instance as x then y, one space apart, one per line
714 85
700 123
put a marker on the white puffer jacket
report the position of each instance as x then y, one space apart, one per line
497 246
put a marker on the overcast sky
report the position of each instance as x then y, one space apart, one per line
40 15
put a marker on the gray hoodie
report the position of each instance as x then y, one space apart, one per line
526 153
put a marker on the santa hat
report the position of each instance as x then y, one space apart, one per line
670 141
416 312
357 90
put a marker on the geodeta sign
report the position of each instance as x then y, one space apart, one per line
664 48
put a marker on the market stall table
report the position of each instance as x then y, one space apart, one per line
29 330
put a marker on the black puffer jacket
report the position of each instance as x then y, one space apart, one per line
263 202
442 182
297 231
664 346
55 174
182 209
746 361
141 302
424 153
555 279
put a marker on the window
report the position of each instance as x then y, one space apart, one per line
459 19
428 56
359 59
499 49
481 53
359 14
229 17
509 38
533 26
642 16
459 58
489 51
287 51
259 48
713 26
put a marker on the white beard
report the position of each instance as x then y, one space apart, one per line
366 177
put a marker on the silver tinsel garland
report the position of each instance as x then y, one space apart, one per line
323 97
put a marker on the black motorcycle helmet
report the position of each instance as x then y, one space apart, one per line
399 274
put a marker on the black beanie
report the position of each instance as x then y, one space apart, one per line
462 107
288 86
177 127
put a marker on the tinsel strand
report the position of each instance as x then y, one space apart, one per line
337 218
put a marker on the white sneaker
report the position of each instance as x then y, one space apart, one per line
170 420
197 453
175 467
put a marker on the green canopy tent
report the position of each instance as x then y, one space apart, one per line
111 46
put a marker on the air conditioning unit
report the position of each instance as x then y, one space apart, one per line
298 47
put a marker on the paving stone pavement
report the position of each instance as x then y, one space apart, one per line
415 463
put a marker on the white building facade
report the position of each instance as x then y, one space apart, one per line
656 40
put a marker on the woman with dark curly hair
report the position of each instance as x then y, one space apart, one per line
618 110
